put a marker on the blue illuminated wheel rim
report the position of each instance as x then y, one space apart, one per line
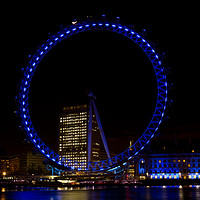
114 162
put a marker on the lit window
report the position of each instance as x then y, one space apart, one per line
159 161
192 151
183 160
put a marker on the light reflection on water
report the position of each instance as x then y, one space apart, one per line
102 193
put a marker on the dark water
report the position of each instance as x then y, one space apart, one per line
102 193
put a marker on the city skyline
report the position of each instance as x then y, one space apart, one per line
169 36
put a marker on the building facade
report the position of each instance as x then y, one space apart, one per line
14 164
32 163
4 166
73 137
168 166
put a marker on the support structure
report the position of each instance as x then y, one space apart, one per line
92 105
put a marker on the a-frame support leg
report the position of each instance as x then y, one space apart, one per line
101 129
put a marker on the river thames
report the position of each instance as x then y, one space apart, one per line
102 193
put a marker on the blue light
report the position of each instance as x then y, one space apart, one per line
34 141
24 89
38 146
31 135
46 47
125 163
100 24
61 35
31 69
50 43
87 25
48 155
33 64
24 116
114 25
68 32
56 39
43 151
73 29
107 24
41 52
37 58
28 76
80 27
93 24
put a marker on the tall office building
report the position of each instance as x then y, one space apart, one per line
73 137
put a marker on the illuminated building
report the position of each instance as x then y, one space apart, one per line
73 133
168 166
4 166
73 136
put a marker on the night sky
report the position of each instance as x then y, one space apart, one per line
108 64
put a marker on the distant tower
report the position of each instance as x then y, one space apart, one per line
81 136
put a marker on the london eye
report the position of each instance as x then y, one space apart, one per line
112 163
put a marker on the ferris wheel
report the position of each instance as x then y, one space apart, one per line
112 163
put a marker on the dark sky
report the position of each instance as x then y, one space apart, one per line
113 67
